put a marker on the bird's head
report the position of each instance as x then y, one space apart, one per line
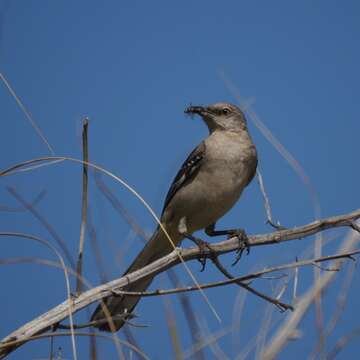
220 116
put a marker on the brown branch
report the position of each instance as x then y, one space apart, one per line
60 312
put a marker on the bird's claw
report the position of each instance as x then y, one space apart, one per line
203 247
243 244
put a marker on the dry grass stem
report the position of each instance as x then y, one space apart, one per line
22 107
84 204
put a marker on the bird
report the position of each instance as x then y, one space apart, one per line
207 186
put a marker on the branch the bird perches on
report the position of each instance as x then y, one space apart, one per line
54 316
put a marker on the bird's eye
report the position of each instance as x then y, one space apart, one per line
225 111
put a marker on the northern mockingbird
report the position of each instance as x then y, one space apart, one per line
208 184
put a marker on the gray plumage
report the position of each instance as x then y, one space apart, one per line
207 186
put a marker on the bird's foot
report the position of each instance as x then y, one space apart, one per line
243 243
204 247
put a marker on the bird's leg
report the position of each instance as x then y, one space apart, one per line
201 244
239 233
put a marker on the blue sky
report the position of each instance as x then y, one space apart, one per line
132 68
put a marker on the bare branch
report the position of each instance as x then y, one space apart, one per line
60 312
279 304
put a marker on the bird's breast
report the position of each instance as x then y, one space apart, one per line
225 171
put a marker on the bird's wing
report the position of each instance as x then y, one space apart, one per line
187 172
253 166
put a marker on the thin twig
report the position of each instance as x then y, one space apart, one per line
269 218
36 201
213 344
206 341
282 306
45 223
122 317
96 250
118 207
93 346
296 280
84 205
26 113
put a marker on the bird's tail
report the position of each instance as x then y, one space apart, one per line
157 247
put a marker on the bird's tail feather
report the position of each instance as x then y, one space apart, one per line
157 247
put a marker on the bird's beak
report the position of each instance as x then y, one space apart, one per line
200 110
206 115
